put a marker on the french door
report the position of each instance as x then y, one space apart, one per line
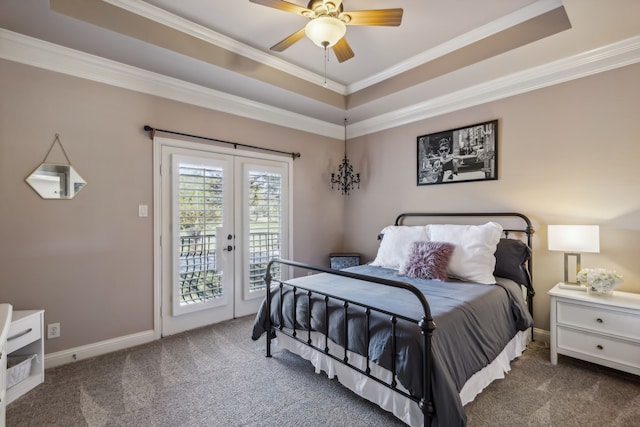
220 218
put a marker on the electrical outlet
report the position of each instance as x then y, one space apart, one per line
53 330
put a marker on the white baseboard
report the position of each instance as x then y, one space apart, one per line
541 335
96 349
103 347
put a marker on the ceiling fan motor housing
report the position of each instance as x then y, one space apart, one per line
321 8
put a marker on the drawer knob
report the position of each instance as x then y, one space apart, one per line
599 347
599 320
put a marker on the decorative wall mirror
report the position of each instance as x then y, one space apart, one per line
54 180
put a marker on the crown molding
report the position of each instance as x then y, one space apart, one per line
37 53
526 13
34 52
168 19
605 58
185 26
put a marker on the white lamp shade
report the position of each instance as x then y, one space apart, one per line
325 31
574 238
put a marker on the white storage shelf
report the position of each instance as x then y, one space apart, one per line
599 329
5 322
25 338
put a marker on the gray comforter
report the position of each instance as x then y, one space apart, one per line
473 324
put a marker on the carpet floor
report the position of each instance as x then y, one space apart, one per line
217 376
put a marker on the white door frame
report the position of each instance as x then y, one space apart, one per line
158 142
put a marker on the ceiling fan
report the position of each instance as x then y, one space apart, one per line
328 23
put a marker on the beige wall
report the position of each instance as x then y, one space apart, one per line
89 261
568 154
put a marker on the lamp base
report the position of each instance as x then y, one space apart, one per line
566 267
572 287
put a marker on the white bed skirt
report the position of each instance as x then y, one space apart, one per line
402 407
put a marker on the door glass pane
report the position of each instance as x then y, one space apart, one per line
265 225
200 195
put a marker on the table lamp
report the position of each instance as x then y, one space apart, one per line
572 240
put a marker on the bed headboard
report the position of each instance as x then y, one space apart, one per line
517 223
525 228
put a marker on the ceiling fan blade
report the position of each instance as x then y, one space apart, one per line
381 17
282 45
343 50
282 5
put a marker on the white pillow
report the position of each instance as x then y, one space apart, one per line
473 259
396 244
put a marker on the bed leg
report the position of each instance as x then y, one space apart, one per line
427 412
530 293
267 281
268 337
427 326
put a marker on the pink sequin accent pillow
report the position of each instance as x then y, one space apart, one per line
428 260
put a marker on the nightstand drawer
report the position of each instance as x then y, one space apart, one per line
599 346
22 332
599 319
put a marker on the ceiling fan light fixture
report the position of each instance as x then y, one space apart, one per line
325 31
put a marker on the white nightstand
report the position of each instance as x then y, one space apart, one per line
599 329
25 338
6 311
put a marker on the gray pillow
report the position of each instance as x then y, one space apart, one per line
511 258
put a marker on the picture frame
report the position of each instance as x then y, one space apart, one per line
463 154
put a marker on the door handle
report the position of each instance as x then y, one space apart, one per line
228 248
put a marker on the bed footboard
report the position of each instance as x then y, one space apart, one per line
277 289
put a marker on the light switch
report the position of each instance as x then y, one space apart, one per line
143 210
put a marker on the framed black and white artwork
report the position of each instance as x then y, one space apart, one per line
459 155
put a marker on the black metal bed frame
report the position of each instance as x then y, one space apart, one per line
527 229
425 323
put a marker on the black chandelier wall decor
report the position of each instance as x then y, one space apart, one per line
345 179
